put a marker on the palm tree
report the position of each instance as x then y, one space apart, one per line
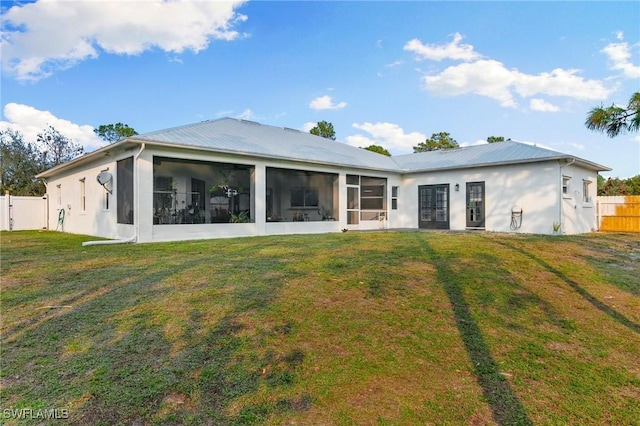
615 119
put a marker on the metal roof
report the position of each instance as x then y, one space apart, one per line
250 138
233 136
507 152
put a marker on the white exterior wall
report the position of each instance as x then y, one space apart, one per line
579 215
63 193
535 187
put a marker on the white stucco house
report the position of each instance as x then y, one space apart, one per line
229 178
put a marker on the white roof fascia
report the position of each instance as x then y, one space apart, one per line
262 156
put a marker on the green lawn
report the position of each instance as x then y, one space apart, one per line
353 328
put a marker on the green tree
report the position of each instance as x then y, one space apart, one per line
615 119
494 139
617 186
438 141
114 132
613 186
57 148
21 162
633 185
378 149
325 130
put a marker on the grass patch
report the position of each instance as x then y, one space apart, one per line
351 328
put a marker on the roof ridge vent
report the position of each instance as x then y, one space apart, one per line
289 129
249 121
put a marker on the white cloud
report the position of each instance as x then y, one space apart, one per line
620 55
306 127
30 121
326 102
388 135
486 77
42 37
435 52
394 64
578 146
560 82
492 79
478 142
247 114
224 113
542 106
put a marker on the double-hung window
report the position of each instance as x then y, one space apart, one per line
83 195
586 191
394 198
566 186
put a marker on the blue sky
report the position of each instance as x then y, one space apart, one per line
385 73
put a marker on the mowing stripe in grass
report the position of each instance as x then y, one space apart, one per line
580 290
505 405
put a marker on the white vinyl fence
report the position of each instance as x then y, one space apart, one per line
22 213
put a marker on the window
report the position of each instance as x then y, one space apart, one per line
372 193
124 191
304 197
83 195
586 188
301 195
194 192
566 180
394 198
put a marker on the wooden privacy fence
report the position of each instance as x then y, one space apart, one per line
619 213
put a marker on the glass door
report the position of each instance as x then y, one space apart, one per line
353 205
353 199
433 206
475 204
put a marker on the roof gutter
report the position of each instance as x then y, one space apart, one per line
264 156
79 160
136 210
594 166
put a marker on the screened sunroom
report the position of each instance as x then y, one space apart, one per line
301 196
196 192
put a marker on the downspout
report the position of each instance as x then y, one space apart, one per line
136 213
109 242
561 212
136 191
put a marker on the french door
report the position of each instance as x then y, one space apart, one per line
433 206
475 204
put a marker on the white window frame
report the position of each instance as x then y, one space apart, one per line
586 192
394 197
83 195
566 186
